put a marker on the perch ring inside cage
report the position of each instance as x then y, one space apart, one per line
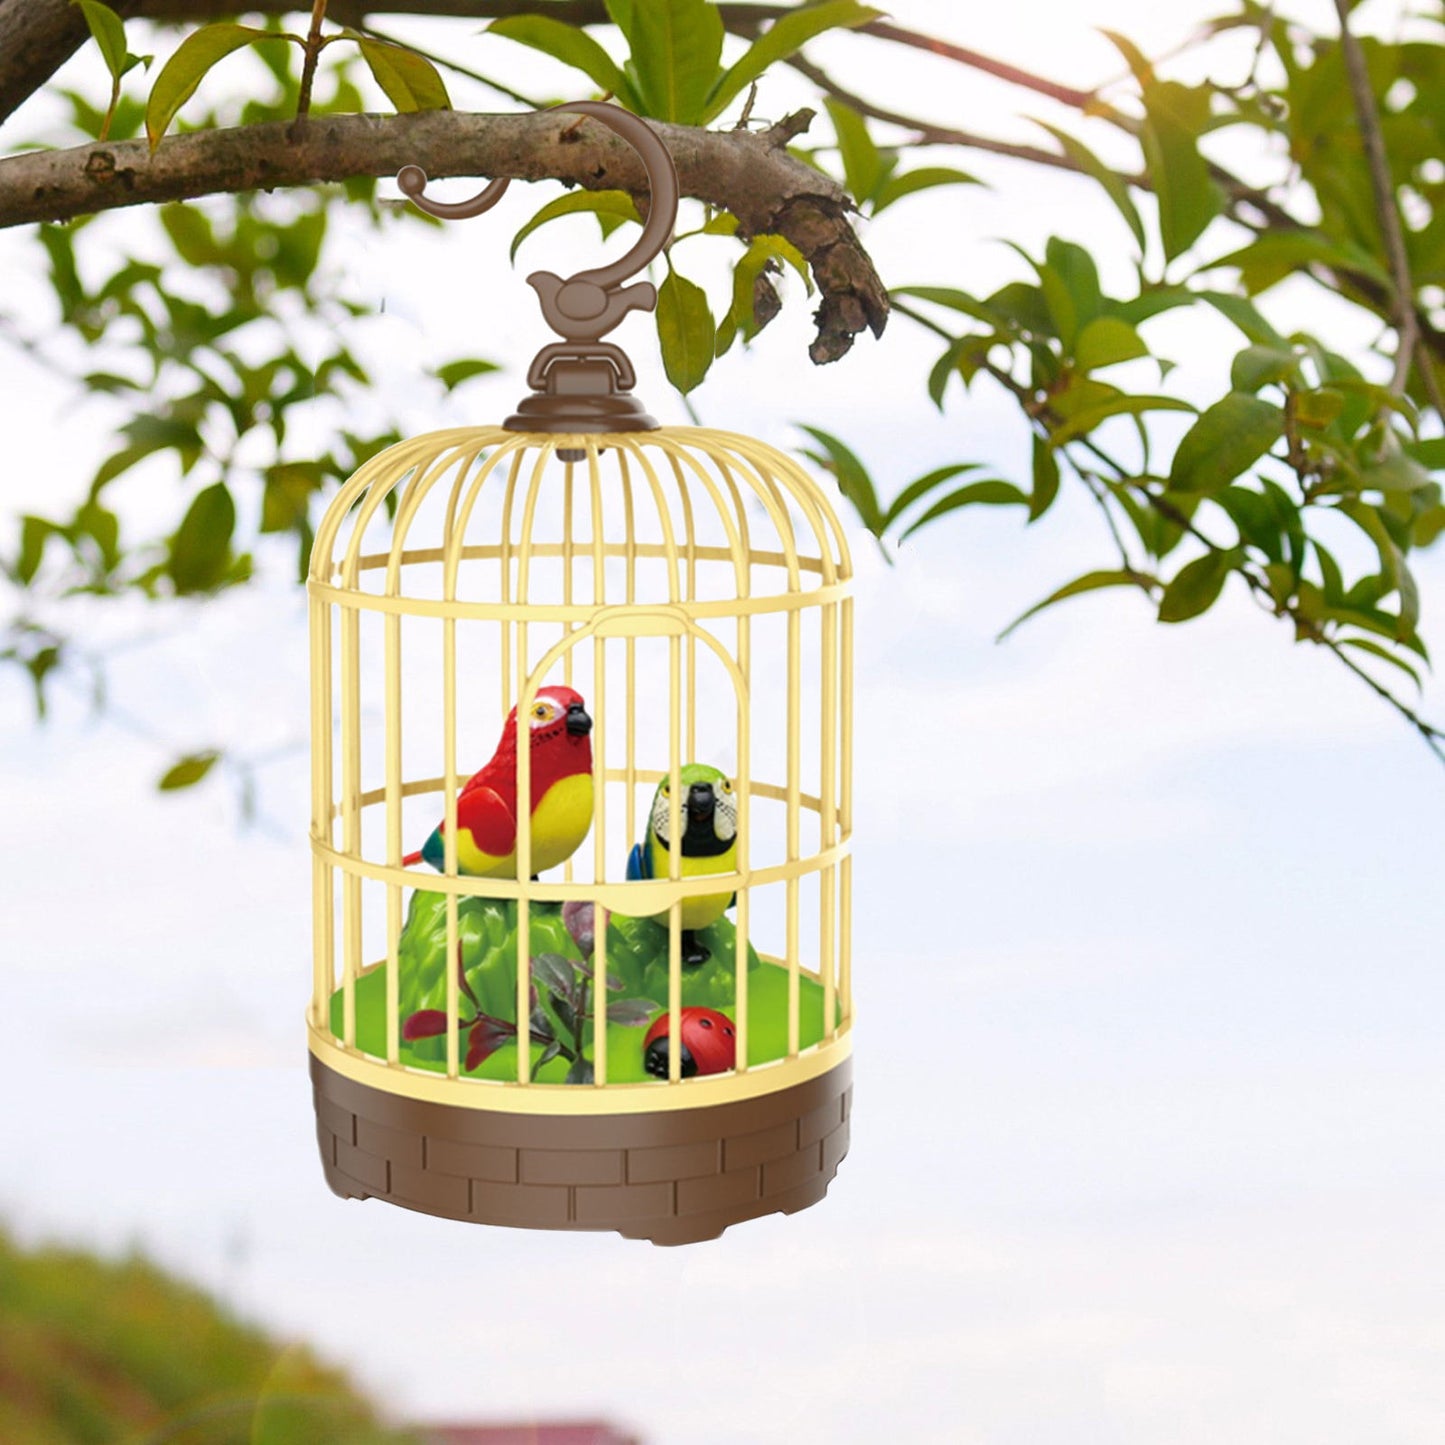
612 988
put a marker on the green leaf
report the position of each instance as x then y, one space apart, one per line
1115 186
601 203
1228 437
925 178
411 82
742 315
108 30
685 331
1278 253
1375 650
453 373
1045 478
34 533
200 550
925 484
1083 420
783 38
676 49
1195 587
184 71
188 771
1396 473
1245 316
1089 582
1258 366
853 479
1188 197
1392 560
991 492
572 47
1106 341
864 168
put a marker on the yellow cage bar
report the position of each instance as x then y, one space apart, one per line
691 587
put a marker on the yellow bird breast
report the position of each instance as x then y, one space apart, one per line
707 908
560 821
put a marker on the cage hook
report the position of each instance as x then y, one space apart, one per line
582 383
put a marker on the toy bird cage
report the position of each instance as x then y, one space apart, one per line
612 989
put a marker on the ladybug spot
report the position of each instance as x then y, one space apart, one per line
706 1023
727 1031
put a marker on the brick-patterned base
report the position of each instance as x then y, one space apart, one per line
674 1177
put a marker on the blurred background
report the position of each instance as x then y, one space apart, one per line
1149 1076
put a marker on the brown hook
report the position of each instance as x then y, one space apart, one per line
582 383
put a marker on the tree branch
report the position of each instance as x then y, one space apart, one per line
1367 114
749 174
39 37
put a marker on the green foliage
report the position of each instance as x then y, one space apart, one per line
685 329
674 68
194 58
871 172
1300 439
97 1351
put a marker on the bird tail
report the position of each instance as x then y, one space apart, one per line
411 859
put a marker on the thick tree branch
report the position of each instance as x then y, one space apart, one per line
37 37
749 174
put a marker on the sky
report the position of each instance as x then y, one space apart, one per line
1146 1123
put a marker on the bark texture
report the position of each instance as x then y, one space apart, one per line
748 174
37 37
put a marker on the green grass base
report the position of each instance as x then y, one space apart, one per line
637 951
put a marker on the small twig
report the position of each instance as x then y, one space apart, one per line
1367 114
308 66
748 104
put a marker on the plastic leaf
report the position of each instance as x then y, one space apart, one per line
184 71
426 1023
555 973
631 1013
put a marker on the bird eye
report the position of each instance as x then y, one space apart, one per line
706 1023
727 787
542 710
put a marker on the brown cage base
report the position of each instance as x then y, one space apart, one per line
676 1176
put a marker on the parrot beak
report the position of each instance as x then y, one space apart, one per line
578 723
701 802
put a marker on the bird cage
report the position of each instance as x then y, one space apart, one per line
622 1000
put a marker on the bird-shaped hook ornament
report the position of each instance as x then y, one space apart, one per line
582 383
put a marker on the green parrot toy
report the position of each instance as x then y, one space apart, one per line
709 810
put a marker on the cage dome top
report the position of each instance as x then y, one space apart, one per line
582 383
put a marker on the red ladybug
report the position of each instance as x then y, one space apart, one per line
709 1044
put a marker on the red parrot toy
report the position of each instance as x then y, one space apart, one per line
561 795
